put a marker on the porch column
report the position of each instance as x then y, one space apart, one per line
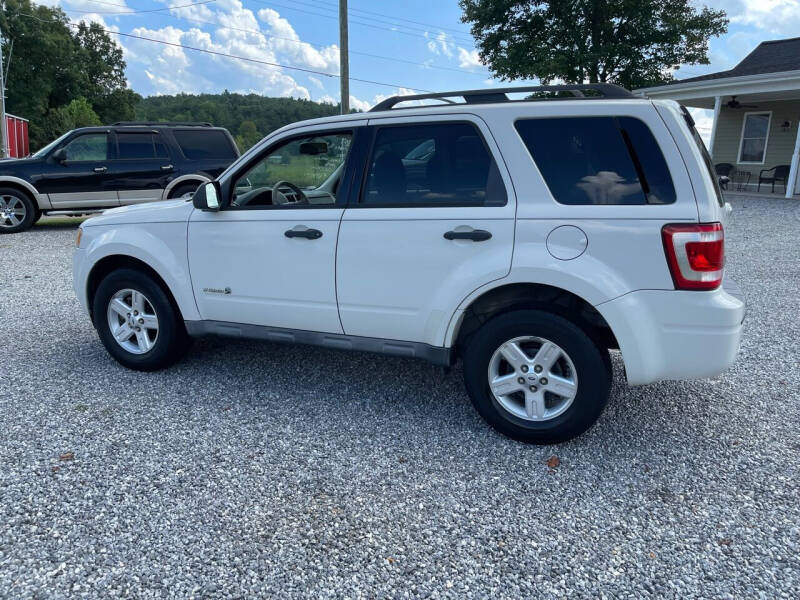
717 105
792 183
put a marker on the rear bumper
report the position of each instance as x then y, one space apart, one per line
676 334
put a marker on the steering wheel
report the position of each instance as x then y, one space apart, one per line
279 197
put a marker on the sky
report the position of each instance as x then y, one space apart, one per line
398 46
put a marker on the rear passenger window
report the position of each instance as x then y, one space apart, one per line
436 164
140 146
202 144
598 160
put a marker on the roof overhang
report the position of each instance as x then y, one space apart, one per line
784 85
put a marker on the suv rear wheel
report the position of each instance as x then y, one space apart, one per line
137 322
536 377
17 211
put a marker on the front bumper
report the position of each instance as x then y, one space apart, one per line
80 276
676 334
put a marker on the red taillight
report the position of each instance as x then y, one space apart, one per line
695 254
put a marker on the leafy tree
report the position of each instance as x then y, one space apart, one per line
633 43
52 65
78 113
248 136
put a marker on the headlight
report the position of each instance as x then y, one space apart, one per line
78 237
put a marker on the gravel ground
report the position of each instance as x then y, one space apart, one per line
258 469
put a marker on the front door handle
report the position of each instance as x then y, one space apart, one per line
167 168
100 169
309 234
476 235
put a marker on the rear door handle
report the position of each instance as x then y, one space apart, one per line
167 168
309 234
476 235
100 169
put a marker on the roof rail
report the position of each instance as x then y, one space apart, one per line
492 95
163 123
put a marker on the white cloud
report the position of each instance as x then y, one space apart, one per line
440 44
264 36
468 59
778 17
703 120
358 104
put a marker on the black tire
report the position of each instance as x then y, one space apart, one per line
171 341
592 366
20 199
183 189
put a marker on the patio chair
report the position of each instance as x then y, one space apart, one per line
724 170
780 174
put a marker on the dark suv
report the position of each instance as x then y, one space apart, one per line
94 168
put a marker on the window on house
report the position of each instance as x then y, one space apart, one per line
755 133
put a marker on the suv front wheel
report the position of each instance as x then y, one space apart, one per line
536 377
18 211
137 322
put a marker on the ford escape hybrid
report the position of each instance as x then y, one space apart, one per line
93 168
525 237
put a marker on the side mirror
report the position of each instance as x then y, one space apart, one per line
724 180
207 196
59 155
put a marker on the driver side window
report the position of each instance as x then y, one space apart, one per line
302 171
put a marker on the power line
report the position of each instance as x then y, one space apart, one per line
134 12
292 40
393 20
226 55
430 25
308 12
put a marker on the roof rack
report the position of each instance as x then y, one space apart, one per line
488 96
163 123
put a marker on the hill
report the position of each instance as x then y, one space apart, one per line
248 117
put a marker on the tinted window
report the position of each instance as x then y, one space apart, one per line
90 146
140 146
432 164
199 144
598 160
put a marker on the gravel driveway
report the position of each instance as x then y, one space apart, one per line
260 469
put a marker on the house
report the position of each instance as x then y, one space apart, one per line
756 114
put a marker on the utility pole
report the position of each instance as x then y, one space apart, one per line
344 64
3 132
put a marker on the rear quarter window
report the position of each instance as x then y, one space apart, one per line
204 144
598 160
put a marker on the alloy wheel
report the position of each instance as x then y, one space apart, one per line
12 211
132 320
532 378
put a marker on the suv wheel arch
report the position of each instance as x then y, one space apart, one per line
197 178
535 296
26 188
111 263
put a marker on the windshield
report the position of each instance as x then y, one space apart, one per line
46 150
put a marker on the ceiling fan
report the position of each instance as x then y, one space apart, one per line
734 103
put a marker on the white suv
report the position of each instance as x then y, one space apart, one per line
525 237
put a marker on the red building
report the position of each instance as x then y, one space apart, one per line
17 136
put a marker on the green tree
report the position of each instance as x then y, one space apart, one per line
78 113
53 64
633 43
248 136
